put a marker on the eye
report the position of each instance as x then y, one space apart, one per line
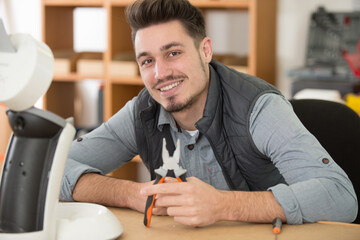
174 53
146 62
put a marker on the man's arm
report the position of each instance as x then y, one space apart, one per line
101 151
95 188
316 189
197 203
114 192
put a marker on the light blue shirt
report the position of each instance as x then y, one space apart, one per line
315 191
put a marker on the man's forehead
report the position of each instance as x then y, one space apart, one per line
159 35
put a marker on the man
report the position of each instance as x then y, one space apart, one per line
248 156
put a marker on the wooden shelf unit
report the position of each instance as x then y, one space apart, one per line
58 30
57 25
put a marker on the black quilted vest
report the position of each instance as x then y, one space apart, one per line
225 124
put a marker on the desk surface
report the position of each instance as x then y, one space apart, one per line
163 227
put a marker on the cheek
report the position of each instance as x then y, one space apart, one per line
146 77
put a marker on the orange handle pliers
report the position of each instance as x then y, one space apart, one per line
169 164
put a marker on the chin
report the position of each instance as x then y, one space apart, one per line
173 107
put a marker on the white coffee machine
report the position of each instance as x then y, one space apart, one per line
36 155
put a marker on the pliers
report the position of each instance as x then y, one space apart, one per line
170 164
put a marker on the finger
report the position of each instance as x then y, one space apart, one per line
189 221
168 188
170 180
181 211
192 179
174 200
161 211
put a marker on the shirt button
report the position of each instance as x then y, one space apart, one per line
325 161
191 146
79 139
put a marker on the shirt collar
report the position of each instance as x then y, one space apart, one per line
166 118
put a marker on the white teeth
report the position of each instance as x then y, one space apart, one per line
167 88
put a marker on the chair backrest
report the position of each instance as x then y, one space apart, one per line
337 127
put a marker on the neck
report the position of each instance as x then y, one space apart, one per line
187 118
186 121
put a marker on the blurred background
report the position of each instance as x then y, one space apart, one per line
292 37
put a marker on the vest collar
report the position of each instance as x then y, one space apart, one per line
212 102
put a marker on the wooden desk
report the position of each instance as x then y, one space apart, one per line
163 227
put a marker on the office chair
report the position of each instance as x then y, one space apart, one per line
337 127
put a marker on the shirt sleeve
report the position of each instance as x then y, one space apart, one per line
317 188
103 150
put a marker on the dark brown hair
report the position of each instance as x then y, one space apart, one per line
144 13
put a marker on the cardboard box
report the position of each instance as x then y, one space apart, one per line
64 62
239 63
90 64
124 65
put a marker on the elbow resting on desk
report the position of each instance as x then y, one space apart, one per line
345 208
351 206
341 200
317 200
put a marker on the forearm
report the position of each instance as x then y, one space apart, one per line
251 206
96 188
197 203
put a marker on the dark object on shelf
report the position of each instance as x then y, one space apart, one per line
331 34
353 60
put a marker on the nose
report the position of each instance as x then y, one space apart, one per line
162 70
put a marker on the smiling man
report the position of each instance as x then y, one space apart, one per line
174 70
248 156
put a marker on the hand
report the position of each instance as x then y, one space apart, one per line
138 202
193 203
159 210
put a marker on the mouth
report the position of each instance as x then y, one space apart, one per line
171 86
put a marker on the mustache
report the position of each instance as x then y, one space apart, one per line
169 78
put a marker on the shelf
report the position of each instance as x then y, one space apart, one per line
74 3
127 80
218 4
74 77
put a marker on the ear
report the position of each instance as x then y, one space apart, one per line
206 49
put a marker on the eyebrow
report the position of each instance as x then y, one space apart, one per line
170 45
162 49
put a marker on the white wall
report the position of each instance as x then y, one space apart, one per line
22 16
224 23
